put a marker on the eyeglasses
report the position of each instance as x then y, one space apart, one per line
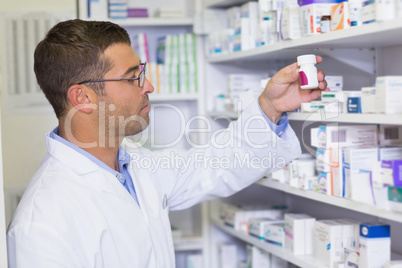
140 78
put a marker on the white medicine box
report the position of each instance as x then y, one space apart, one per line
275 234
357 165
323 160
368 100
375 245
238 218
345 136
299 229
328 242
258 226
389 94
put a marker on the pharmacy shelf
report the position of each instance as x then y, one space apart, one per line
306 261
332 200
155 97
189 243
321 116
223 3
160 22
230 115
377 34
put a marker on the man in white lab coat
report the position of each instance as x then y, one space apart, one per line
91 203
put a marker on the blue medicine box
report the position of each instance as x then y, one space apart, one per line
375 230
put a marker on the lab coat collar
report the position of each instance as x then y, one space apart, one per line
81 165
74 160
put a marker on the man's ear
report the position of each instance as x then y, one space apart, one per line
82 98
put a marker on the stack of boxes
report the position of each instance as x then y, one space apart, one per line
299 230
333 243
358 162
118 9
239 217
345 242
245 27
175 71
266 22
311 12
383 98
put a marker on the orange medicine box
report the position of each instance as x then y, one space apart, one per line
340 16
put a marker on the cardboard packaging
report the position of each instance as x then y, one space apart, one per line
340 16
275 234
290 23
375 245
258 226
325 183
311 12
344 136
357 165
328 242
389 94
299 230
378 10
368 100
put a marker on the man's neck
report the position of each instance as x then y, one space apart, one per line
89 142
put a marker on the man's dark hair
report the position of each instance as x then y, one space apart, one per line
72 52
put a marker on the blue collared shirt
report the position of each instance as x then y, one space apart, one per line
279 128
123 157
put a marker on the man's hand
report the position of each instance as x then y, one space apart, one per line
283 92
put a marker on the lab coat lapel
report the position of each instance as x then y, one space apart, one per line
97 178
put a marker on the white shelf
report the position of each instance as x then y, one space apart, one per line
188 243
224 3
377 34
332 200
306 261
160 22
391 119
155 97
387 119
231 115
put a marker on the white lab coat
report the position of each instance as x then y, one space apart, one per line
75 214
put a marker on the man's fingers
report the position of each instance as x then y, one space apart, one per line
322 85
319 59
314 94
320 75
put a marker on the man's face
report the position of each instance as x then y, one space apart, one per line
125 102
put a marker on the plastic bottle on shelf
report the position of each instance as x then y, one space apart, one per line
307 71
325 24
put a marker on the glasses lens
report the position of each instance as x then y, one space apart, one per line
142 76
141 80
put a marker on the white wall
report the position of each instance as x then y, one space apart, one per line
36 5
23 135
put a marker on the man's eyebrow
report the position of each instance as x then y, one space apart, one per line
131 69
